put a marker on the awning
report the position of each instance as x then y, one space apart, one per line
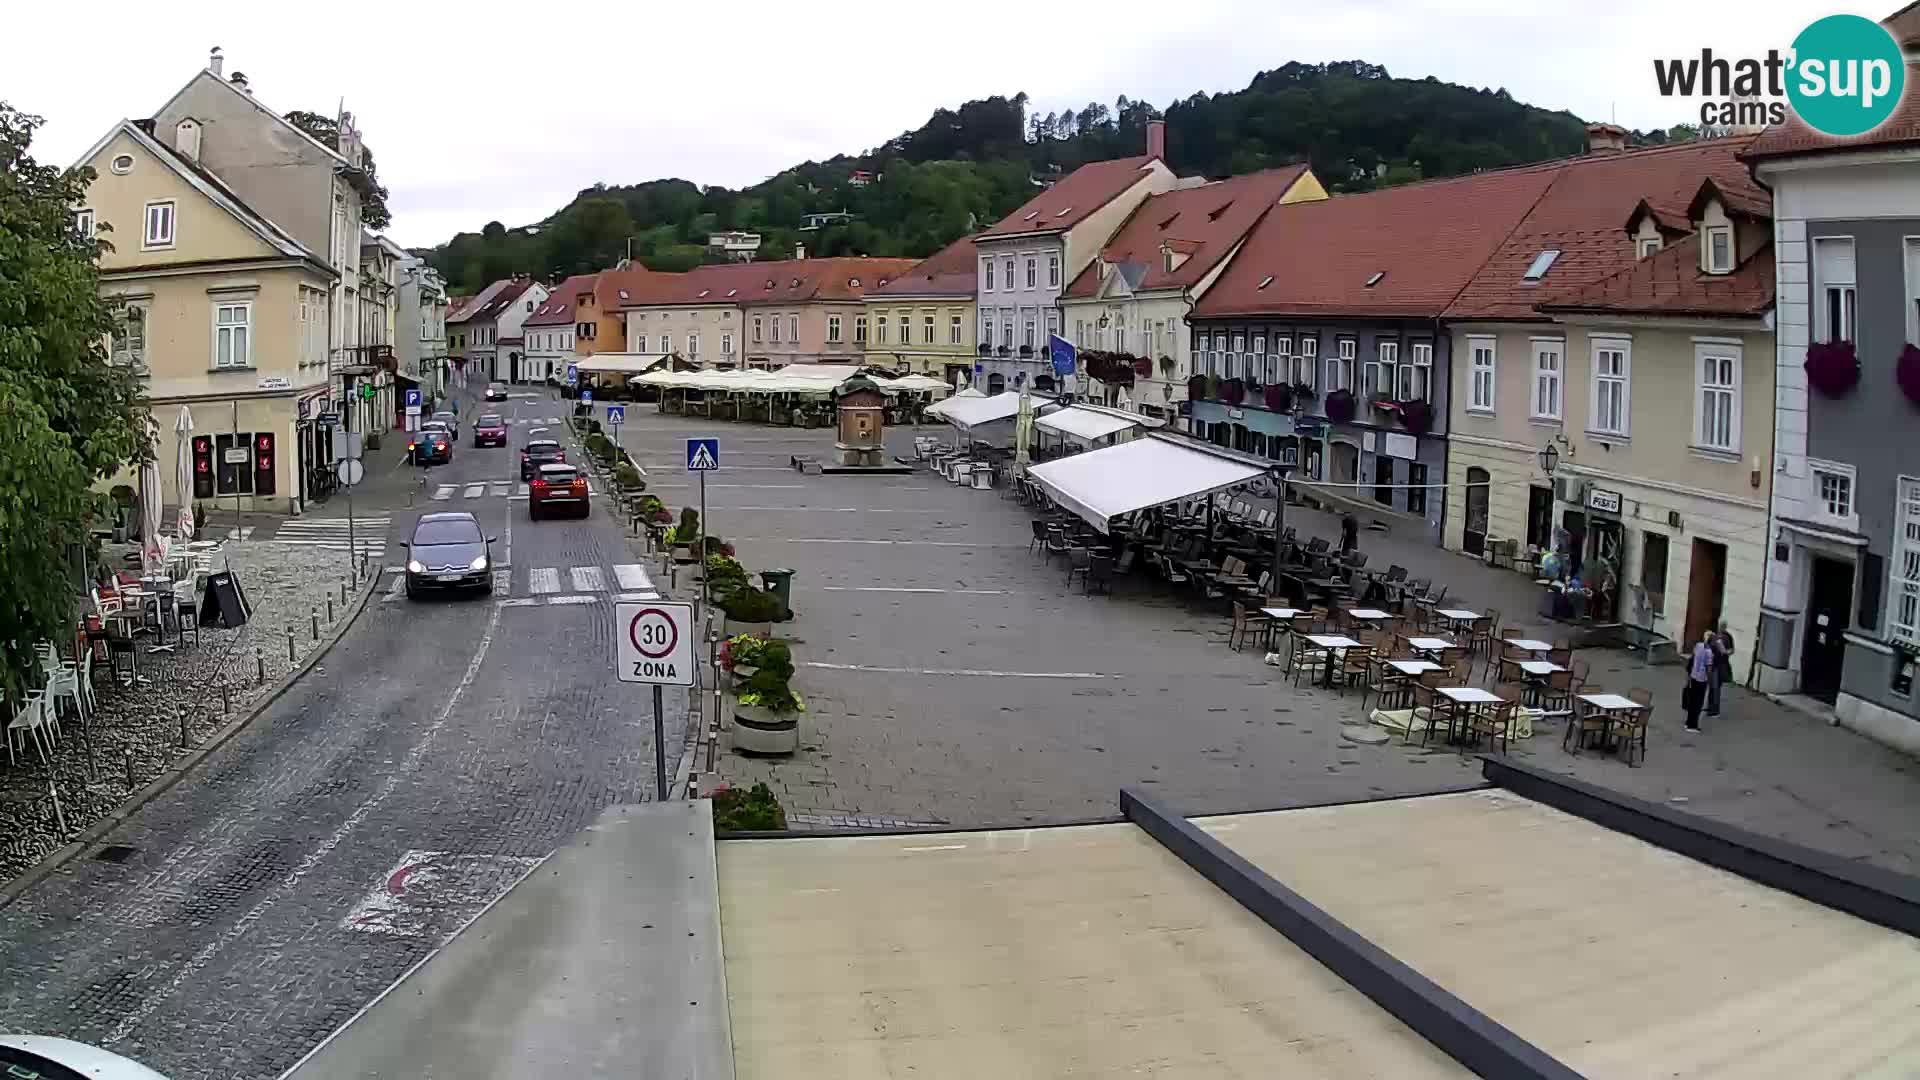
1103 484
1086 425
970 412
632 363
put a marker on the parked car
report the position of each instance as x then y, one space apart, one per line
540 452
490 430
431 445
450 419
49 1058
448 551
496 391
559 486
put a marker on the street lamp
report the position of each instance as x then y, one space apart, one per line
1549 459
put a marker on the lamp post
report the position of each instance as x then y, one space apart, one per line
1549 459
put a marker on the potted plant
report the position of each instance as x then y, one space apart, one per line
684 535
766 711
754 810
1166 366
1303 392
1196 387
627 476
1279 398
750 610
1142 367
740 656
723 574
1832 367
1416 416
1340 406
1233 391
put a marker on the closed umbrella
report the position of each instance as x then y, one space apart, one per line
183 472
151 496
1023 429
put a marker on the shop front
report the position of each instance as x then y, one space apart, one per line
313 446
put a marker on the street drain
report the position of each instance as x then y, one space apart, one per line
115 853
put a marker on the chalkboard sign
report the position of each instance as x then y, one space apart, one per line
225 603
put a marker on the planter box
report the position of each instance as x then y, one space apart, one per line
683 553
758 731
758 629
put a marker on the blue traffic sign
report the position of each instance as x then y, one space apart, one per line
703 455
616 414
413 397
573 374
586 395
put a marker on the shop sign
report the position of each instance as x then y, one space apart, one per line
1603 500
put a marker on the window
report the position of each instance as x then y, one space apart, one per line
860 329
1027 340
756 329
1053 322
833 328
666 343
122 164
1648 245
926 329
1913 290
1612 399
1719 249
1007 266
130 340
726 344
83 224
953 330
1380 373
988 287
1383 480
880 329
1904 584
232 329
1033 271
1307 362
793 329
1053 271
693 346
233 477
1653 571
1549 361
1480 374
1416 378
906 328
1833 270
1716 420
1541 263
1416 492
1832 484
1340 365
986 330
159 232
1274 369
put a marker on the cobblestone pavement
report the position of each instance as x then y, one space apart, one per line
437 752
952 676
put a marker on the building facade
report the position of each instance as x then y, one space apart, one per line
1841 620
923 320
553 328
420 333
495 345
756 314
1027 258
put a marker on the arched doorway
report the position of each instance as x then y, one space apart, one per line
1345 462
513 367
996 383
1473 540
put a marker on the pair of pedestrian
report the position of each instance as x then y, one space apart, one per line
1709 667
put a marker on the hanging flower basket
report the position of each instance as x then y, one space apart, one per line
1382 402
1416 416
1303 392
1196 387
1340 406
1279 398
1142 367
1906 371
1832 367
1233 391
1166 365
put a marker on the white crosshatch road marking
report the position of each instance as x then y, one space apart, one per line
632 577
501 487
443 492
543 579
587 579
474 491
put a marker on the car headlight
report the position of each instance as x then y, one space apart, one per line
415 566
479 563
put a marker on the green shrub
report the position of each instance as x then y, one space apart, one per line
725 568
744 650
750 605
769 690
775 656
689 525
627 475
651 505
754 810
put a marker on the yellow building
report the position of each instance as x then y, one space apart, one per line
923 321
226 315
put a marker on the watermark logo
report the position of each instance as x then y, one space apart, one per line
1843 76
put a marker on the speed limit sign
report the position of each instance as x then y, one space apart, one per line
654 643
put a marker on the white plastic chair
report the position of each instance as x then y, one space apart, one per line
30 719
63 683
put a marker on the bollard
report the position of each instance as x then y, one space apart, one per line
226 700
329 611
343 591
313 620
129 770
186 742
59 815
290 656
259 665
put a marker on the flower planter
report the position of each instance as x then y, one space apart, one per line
757 629
761 731
738 676
1339 406
1832 367
683 553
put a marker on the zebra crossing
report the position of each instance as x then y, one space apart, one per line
481 489
555 586
368 534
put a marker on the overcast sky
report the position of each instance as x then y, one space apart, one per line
478 111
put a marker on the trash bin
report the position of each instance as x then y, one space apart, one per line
779 582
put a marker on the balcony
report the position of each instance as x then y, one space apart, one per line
1026 352
986 350
1003 351
362 360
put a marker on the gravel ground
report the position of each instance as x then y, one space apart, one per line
136 734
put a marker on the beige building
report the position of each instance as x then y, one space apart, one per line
226 314
923 320
758 314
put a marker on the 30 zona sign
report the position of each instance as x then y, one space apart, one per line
655 643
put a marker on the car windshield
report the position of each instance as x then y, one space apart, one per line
490 420
443 417
540 449
447 531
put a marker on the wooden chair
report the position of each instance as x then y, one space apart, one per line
1429 705
1308 657
1386 683
1079 564
1631 728
1561 653
1584 721
1039 542
1247 621
1496 660
1495 724
1355 665
1558 694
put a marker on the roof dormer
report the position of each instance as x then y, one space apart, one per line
1171 257
1730 227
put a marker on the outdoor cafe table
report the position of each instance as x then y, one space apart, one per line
1612 705
1537 672
1529 645
1469 698
1282 614
1456 617
1332 643
1415 668
1430 645
1369 615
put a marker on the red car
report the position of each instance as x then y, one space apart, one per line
490 430
559 486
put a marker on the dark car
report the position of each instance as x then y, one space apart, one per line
540 452
496 391
490 430
448 551
431 445
558 486
451 420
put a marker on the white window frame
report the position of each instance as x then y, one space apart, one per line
1053 271
1007 269
1340 364
726 344
83 224
1819 507
1910 254
666 343
1483 379
954 330
693 346
1029 330
150 240
1548 383
986 284
833 328
1306 362
904 335
793 329
1006 333
859 329
1381 370
239 336
1710 234
757 335
1418 370
1903 567
1620 427
927 326
1647 245
1828 293
1720 384
1033 272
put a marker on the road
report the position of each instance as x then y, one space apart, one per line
438 752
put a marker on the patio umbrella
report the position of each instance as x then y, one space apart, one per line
1023 429
183 472
151 496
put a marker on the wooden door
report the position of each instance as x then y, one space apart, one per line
1473 538
1706 587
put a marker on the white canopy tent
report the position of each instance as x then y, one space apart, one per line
963 411
611 363
1087 426
1103 484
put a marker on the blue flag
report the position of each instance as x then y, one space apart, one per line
1065 357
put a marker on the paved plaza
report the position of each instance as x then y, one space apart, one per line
952 676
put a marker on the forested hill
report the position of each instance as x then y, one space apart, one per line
968 167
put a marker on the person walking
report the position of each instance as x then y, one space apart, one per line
1722 668
1349 534
1699 670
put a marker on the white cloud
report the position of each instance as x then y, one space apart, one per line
493 111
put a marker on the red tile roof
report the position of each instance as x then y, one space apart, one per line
1904 25
790 281
557 309
1204 222
1670 282
1426 239
947 272
498 297
1900 129
1580 216
1072 198
607 290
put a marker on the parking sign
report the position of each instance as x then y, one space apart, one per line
413 401
655 643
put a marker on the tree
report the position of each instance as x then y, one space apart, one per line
373 197
68 417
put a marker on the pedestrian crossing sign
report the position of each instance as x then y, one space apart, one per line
703 455
616 414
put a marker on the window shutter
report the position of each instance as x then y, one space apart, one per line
1873 576
1835 259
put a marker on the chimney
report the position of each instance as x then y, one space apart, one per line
1157 139
216 62
186 139
239 81
799 251
1606 139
